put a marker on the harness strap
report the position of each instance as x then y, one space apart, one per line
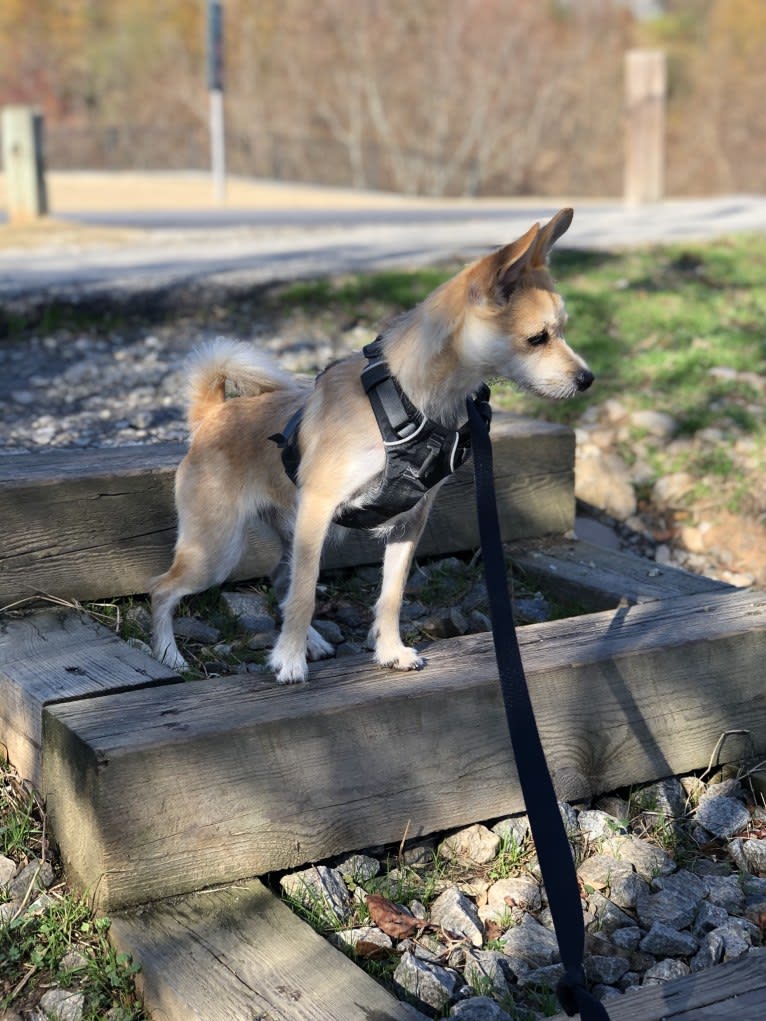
551 843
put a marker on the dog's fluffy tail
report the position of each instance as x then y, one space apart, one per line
249 371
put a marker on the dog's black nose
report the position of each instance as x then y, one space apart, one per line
584 379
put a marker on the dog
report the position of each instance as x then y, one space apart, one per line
499 317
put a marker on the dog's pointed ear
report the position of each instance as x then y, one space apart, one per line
550 234
497 274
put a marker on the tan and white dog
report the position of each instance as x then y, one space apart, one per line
501 316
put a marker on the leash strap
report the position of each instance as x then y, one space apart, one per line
553 851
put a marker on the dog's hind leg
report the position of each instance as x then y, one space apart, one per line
297 638
385 636
200 561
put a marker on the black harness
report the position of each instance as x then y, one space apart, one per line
419 451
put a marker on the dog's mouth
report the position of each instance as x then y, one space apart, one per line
552 390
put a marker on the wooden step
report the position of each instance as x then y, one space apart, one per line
239 953
595 578
735 991
96 524
158 792
60 655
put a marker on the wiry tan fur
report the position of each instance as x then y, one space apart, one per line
501 316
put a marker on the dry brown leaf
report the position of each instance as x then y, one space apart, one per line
370 951
390 919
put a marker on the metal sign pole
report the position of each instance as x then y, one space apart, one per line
215 88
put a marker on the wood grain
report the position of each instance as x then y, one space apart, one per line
98 524
202 783
596 578
60 655
240 953
735 991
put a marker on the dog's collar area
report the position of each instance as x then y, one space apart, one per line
419 452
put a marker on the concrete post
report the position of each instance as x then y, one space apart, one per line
645 87
23 163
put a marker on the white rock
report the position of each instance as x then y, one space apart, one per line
455 912
603 481
63 1004
476 844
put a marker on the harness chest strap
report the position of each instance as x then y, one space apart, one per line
419 452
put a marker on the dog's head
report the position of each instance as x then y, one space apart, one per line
514 317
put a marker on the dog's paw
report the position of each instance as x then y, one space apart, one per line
171 658
289 669
317 647
402 658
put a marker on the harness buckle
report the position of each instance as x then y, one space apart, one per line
435 445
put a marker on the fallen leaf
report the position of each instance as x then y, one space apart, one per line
370 951
391 919
492 930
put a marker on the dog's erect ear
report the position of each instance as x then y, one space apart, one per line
550 234
498 274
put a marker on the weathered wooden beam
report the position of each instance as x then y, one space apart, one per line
100 523
736 989
596 578
59 655
163 791
240 953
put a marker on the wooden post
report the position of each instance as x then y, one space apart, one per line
23 163
645 87
215 88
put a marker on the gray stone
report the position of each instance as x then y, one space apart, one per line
722 816
647 859
368 935
663 941
358 867
479 1008
515 828
626 888
601 871
608 970
709 917
455 912
676 902
532 942
36 875
320 888
516 892
596 825
627 938
569 818
617 807
710 951
63 1004
735 944
656 423
755 854
725 892
252 610
7 870
603 480
665 971
607 916
546 976
329 630
487 965
666 797
195 630
476 844
429 985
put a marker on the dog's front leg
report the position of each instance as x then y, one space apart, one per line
298 638
385 636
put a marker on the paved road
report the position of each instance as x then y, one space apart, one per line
258 246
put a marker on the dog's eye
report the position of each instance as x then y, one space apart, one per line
539 338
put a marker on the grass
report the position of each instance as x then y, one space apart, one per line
38 939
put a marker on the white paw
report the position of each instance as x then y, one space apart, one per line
288 669
317 647
400 658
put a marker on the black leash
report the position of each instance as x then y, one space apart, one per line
553 850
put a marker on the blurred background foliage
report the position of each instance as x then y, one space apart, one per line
441 97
